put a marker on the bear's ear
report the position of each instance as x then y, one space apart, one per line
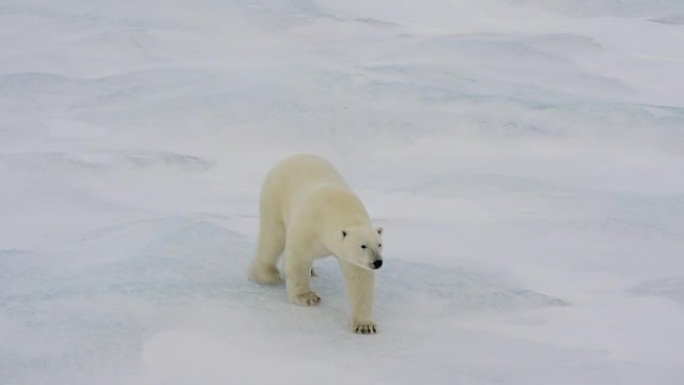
344 234
379 230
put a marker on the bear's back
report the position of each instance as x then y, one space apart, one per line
304 171
295 178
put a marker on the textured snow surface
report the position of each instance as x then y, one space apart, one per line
525 158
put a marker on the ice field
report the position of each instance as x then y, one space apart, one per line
525 158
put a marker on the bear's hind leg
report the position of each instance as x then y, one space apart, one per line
270 245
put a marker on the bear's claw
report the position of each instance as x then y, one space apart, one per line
366 328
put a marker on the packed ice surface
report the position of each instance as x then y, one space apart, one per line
524 156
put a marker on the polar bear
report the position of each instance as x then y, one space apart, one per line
307 212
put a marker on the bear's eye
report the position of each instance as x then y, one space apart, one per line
379 244
363 246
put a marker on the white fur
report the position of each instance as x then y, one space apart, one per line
308 212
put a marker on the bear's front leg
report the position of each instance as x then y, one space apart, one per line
298 278
361 292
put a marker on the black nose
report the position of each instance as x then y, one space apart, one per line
377 263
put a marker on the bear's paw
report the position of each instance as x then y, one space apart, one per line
307 299
364 327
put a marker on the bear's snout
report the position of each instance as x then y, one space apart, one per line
377 264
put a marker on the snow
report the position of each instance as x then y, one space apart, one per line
525 158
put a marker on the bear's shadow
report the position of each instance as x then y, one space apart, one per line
179 260
434 288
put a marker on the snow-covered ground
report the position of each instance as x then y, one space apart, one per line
526 158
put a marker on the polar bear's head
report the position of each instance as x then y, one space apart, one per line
362 246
